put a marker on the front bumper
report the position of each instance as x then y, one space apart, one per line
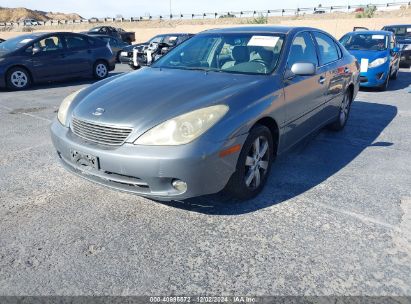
149 170
374 77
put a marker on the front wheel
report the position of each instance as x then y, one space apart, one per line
100 70
343 114
18 79
253 165
384 86
395 75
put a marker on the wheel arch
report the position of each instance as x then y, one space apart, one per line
272 125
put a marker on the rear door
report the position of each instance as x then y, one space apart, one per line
48 58
303 94
78 54
333 71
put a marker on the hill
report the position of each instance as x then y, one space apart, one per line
21 13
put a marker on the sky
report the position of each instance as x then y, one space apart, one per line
130 8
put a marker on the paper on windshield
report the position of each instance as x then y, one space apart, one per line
266 41
172 38
26 40
364 65
377 37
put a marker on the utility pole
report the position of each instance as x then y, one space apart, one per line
170 9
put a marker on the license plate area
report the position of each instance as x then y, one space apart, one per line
84 160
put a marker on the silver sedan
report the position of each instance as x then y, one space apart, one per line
211 115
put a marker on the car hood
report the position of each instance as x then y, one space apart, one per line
147 97
370 55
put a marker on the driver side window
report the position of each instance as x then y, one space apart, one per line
49 44
302 50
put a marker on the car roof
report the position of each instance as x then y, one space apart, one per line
261 29
397 25
370 32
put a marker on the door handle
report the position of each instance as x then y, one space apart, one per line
321 80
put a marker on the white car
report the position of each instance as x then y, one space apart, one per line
30 22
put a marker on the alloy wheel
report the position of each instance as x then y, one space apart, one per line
257 162
101 70
19 79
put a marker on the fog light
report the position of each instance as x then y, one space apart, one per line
179 185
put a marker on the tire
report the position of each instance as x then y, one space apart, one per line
100 70
395 75
18 78
134 67
343 114
252 167
384 86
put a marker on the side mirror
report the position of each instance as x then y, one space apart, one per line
36 50
396 50
303 69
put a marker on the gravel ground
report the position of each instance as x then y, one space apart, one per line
334 218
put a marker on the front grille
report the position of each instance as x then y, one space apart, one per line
98 133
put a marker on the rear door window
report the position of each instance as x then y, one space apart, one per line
76 42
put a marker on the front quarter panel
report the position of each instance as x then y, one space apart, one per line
261 101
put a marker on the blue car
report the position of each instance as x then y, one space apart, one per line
39 57
378 55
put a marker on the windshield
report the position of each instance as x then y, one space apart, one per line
95 29
368 42
231 53
400 31
15 43
156 39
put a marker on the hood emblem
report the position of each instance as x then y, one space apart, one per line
98 112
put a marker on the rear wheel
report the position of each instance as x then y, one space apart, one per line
100 70
343 114
253 165
18 78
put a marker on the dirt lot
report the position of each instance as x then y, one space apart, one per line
336 24
334 219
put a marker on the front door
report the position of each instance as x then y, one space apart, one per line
48 58
303 94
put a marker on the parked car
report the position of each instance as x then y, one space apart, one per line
143 54
212 114
118 33
402 34
116 45
30 22
51 56
378 55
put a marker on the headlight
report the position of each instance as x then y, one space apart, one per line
377 62
184 128
62 113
